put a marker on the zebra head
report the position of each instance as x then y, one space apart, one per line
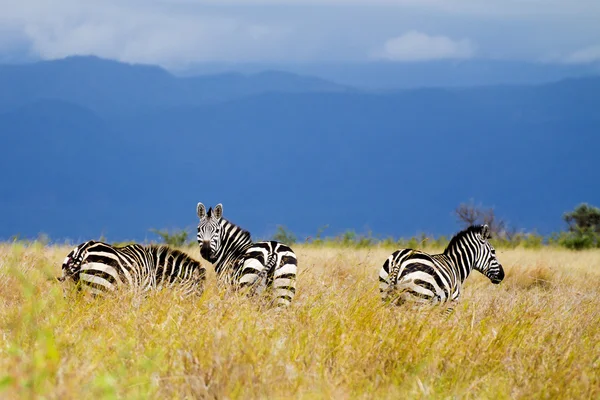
73 260
209 231
486 261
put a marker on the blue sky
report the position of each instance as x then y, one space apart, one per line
180 33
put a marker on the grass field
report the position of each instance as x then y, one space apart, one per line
536 335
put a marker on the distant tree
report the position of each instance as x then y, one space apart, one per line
467 214
284 235
583 218
175 238
584 228
471 214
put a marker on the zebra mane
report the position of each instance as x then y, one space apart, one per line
460 235
244 233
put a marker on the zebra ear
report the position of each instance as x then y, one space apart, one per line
485 232
218 211
201 210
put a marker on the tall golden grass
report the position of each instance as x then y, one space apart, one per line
537 335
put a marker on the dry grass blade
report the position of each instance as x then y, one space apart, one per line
537 335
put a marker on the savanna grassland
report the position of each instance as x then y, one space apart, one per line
536 335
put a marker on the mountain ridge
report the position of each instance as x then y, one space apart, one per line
111 88
397 163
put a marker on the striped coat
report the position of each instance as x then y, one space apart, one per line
100 268
413 275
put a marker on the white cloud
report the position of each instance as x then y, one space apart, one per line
584 56
417 46
472 7
177 33
146 34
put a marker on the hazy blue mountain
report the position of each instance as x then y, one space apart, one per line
55 157
113 88
396 163
85 156
383 75
228 86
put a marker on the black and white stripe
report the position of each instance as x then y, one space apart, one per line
99 268
240 262
416 276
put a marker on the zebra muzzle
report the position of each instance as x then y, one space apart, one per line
205 249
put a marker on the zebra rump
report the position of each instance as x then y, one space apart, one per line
99 268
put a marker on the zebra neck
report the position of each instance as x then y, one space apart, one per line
234 244
463 257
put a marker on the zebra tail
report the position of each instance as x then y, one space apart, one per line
271 264
394 271
265 273
393 278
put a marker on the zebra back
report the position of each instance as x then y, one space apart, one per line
172 267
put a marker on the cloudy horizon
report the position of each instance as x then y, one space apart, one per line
181 33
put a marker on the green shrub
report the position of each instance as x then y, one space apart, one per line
412 243
177 238
532 241
389 242
318 240
584 228
556 238
439 243
584 218
347 239
123 243
366 241
580 239
284 235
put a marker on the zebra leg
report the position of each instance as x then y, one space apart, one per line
447 311
61 280
388 278
284 277
260 283
384 283
453 301
409 291
68 281
197 284
450 309
71 268
253 276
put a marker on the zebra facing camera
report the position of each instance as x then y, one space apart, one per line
217 212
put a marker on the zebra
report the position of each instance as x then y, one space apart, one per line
243 264
100 268
413 275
